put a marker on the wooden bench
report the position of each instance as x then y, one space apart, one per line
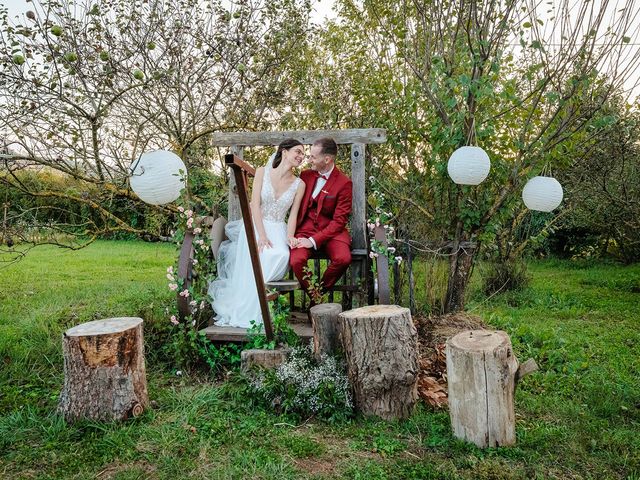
357 282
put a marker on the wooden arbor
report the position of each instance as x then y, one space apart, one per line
238 199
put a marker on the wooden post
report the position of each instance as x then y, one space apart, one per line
359 197
104 371
324 318
237 164
233 201
380 344
382 267
482 373
412 282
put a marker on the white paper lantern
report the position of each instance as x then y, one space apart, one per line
158 177
469 165
542 193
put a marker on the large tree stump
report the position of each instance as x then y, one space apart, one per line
104 371
482 373
380 346
324 318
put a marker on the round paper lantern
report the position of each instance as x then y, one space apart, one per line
469 165
542 194
158 177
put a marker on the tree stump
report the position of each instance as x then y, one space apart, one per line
104 370
380 346
482 373
262 358
324 318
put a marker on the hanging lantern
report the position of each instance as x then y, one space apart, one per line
158 177
542 193
469 165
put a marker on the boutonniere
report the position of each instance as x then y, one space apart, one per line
324 191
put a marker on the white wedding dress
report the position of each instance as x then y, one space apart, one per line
234 294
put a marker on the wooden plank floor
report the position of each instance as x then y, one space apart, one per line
236 334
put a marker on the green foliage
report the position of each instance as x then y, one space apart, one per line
505 276
577 417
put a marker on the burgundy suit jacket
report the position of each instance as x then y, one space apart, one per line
333 208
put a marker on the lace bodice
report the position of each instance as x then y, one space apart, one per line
275 210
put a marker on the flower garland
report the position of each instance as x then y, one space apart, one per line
382 218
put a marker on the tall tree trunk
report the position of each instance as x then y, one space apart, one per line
460 264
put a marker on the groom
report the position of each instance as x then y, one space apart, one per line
323 215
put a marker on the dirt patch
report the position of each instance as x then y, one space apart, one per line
315 466
114 469
433 332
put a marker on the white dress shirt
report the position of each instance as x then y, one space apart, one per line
320 182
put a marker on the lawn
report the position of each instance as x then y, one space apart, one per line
578 417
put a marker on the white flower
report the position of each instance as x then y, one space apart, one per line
170 277
181 209
197 231
399 259
179 373
195 261
189 213
170 270
392 250
173 287
190 222
193 303
184 293
174 320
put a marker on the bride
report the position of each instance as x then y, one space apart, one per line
276 192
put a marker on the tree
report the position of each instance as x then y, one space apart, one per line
603 183
498 74
86 88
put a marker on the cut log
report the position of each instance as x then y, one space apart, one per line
482 372
104 370
380 345
324 318
262 358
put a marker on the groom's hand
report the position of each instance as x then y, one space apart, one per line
304 243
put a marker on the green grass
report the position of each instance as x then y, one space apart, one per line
578 417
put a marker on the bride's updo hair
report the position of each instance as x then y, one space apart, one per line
284 145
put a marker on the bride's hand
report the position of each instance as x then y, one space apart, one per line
264 242
293 242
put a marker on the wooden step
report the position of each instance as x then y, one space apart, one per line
236 334
283 285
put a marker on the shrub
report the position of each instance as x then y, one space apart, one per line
505 276
306 387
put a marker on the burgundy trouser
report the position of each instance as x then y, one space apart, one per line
339 254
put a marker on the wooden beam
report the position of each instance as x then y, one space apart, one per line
236 165
306 137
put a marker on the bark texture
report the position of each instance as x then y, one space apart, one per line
481 371
460 265
380 346
324 318
262 358
104 370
